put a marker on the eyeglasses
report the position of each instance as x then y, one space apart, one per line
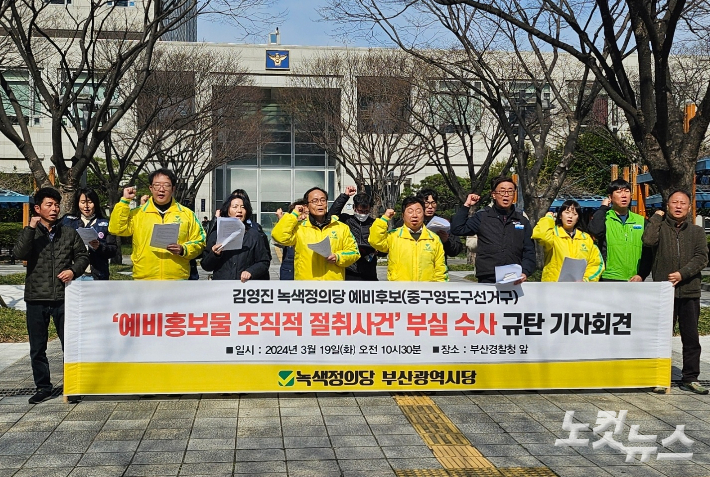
161 186
505 192
322 200
430 203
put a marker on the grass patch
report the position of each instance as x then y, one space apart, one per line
13 326
115 272
13 279
126 248
461 267
471 278
704 321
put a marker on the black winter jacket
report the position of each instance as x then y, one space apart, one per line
366 266
681 249
47 258
212 227
502 239
230 264
99 258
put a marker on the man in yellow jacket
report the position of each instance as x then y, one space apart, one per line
153 263
299 229
415 254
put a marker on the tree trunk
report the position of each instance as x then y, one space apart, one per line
113 197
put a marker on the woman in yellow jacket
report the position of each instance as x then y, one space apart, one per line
563 237
415 253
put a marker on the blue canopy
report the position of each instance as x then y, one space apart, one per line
12 197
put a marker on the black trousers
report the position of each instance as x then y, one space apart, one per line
686 311
38 315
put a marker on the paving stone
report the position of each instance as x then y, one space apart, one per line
44 472
266 431
300 411
216 455
167 414
166 434
215 422
106 459
302 421
121 424
174 457
210 444
352 441
402 452
12 461
156 423
309 453
208 469
99 471
18 448
304 431
113 446
314 467
259 455
252 468
52 460
389 429
390 440
414 463
120 434
216 433
566 471
262 442
220 412
358 453
139 470
162 445
349 429
365 465
368 473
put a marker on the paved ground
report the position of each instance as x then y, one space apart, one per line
348 434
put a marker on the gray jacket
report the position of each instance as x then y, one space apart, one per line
681 249
47 258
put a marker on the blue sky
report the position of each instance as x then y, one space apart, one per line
300 27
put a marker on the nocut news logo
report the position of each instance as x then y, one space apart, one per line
287 378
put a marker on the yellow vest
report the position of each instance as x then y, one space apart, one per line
409 260
308 265
557 245
151 263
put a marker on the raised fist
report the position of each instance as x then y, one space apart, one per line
129 193
350 190
472 199
389 213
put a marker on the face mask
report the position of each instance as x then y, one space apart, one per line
361 217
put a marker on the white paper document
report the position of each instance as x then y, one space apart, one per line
437 224
509 273
321 248
164 235
230 233
572 270
87 234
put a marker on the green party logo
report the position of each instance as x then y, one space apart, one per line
287 378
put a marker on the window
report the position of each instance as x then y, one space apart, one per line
454 107
600 113
121 3
18 82
524 98
383 104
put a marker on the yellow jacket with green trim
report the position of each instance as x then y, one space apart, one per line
308 265
557 245
151 263
408 259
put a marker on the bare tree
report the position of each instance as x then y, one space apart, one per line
84 67
520 85
190 107
356 106
631 57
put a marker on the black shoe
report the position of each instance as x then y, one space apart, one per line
40 396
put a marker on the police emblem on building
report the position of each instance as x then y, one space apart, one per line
277 59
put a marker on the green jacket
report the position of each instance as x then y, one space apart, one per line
621 244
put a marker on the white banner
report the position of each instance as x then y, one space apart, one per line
365 323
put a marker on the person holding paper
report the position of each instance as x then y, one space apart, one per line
680 254
564 237
87 216
300 229
504 234
157 263
618 233
415 254
452 243
251 260
55 255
